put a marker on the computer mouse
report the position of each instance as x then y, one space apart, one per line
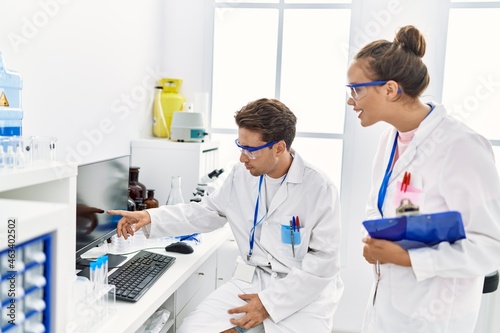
179 247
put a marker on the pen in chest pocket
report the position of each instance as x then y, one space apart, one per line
405 182
292 236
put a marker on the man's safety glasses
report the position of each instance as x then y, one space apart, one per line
357 91
253 152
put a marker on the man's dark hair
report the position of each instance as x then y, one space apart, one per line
269 117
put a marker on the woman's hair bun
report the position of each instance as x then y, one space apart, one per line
410 38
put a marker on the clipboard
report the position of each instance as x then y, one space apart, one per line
412 231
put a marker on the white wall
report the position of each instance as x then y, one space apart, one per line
88 67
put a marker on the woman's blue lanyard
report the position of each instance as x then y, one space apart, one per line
388 172
255 215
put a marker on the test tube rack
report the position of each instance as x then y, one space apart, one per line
96 304
94 298
25 286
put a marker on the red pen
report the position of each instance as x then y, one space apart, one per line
297 223
403 181
406 181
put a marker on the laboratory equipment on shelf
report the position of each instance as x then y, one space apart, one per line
207 184
25 298
175 195
188 127
160 128
151 201
136 188
11 113
166 103
18 152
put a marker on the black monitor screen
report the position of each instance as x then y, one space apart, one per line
100 186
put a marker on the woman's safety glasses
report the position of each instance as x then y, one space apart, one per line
253 152
358 90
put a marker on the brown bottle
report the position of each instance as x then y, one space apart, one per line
150 201
130 203
137 189
139 204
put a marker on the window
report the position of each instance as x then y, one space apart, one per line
471 89
295 51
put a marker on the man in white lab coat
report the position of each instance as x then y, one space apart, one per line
285 218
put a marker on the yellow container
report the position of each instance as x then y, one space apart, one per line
170 101
160 128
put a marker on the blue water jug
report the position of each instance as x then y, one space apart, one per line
11 113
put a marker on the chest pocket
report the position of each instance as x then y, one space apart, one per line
277 237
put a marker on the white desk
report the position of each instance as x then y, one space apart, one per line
128 317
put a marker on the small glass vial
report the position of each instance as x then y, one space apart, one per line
150 201
2 157
175 195
20 159
10 157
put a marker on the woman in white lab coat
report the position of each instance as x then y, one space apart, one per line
451 167
289 288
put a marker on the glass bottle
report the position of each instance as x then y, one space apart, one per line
150 201
130 203
137 189
175 195
138 203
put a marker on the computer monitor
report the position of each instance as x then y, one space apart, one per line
101 186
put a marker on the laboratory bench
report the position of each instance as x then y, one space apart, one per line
181 288
42 200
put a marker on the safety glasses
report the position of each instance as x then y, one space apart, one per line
358 90
253 152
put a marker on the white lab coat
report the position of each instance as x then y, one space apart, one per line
441 292
299 293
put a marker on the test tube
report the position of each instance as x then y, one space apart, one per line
34 278
105 268
99 271
34 253
93 266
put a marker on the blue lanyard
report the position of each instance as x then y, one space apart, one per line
255 222
388 172
255 215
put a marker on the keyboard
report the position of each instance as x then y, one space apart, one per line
138 274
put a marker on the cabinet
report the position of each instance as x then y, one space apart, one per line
160 159
42 201
226 260
198 286
194 290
